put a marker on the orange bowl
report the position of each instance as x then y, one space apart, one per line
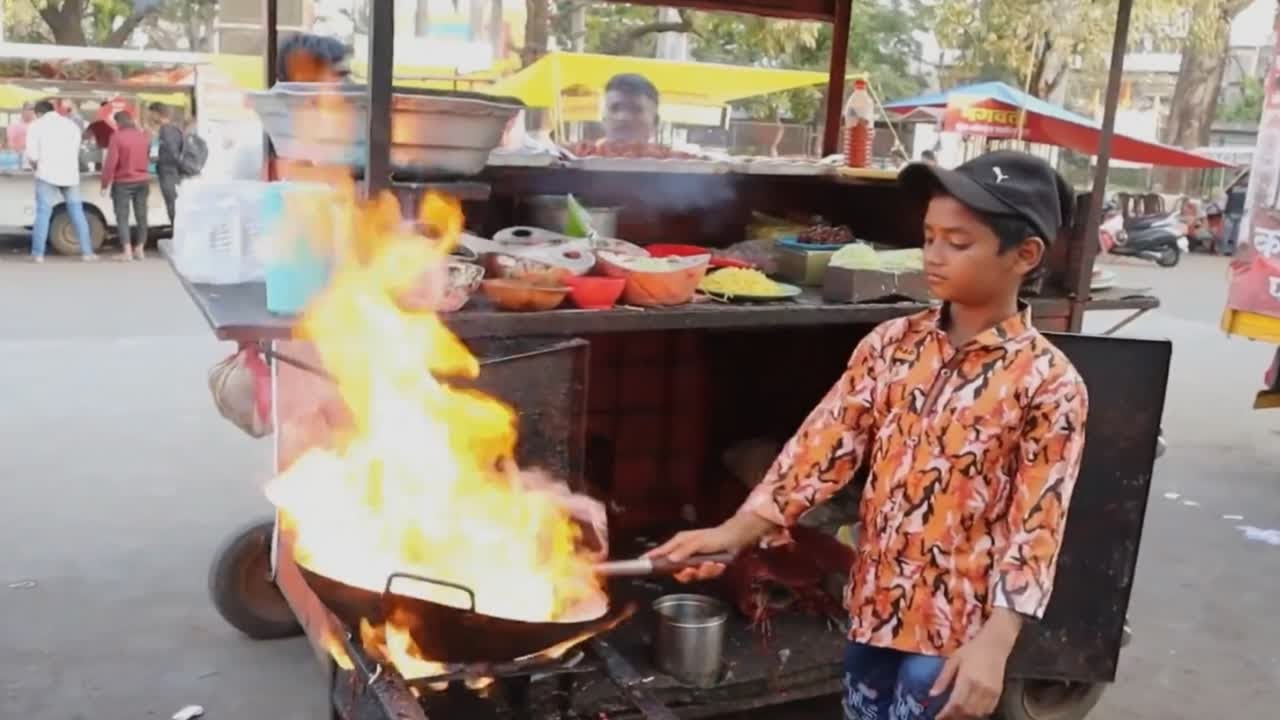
519 296
595 293
655 282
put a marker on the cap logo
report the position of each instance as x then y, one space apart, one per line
1000 176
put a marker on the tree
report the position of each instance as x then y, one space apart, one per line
1204 59
102 23
537 30
1247 108
1026 43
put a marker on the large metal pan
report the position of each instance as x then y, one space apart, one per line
462 635
450 634
434 133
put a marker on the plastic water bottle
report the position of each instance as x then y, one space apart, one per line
859 118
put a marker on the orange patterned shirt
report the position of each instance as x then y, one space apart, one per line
973 454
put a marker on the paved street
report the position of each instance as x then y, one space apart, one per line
119 480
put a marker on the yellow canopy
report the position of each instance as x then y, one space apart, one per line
684 83
13 96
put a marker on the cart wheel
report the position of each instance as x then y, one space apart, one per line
1047 700
242 591
62 235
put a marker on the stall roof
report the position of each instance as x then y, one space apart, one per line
1054 125
32 51
824 10
685 82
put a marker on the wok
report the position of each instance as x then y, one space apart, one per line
451 634
456 635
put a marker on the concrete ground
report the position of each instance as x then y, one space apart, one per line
120 480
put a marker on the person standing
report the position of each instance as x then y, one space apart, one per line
973 425
126 176
53 149
16 133
168 155
1233 213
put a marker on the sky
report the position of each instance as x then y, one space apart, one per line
1254 26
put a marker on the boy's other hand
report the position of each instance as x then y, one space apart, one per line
975 673
732 535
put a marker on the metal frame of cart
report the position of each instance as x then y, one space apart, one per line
1130 374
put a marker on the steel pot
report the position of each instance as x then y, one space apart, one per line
551 212
688 641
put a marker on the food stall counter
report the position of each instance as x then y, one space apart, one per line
239 312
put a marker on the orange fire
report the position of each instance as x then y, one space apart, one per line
423 480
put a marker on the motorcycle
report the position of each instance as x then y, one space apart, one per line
1159 238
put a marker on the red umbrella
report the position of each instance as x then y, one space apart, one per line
995 109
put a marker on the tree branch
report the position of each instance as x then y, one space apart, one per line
120 35
627 42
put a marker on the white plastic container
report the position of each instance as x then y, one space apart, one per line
215 231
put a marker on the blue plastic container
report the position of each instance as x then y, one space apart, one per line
296 272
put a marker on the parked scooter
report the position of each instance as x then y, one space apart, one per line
1159 238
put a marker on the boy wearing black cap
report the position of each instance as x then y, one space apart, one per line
973 426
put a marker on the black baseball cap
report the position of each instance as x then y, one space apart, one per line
1004 182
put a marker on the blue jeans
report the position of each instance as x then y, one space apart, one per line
882 684
47 195
1230 233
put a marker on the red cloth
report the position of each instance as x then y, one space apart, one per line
792 577
102 132
128 157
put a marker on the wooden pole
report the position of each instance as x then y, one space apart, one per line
270 21
835 82
1085 245
377 173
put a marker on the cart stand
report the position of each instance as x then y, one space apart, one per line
238 312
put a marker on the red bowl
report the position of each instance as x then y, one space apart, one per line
670 249
595 293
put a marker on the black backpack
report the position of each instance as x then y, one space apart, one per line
195 152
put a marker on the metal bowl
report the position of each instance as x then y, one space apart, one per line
433 133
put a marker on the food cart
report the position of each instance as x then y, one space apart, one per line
85 78
642 403
1253 297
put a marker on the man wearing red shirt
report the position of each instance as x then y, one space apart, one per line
125 173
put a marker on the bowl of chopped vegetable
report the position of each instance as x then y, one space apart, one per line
653 282
745 285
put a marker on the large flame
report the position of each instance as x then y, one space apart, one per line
423 481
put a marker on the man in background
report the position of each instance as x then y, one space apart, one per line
630 109
53 149
16 133
168 154
126 176
102 126
312 58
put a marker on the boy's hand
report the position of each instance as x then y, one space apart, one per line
975 673
732 535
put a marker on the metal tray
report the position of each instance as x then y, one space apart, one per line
433 133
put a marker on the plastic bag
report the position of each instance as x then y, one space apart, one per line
241 389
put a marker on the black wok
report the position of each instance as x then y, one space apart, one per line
449 634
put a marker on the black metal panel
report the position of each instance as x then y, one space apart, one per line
545 381
381 59
1079 638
